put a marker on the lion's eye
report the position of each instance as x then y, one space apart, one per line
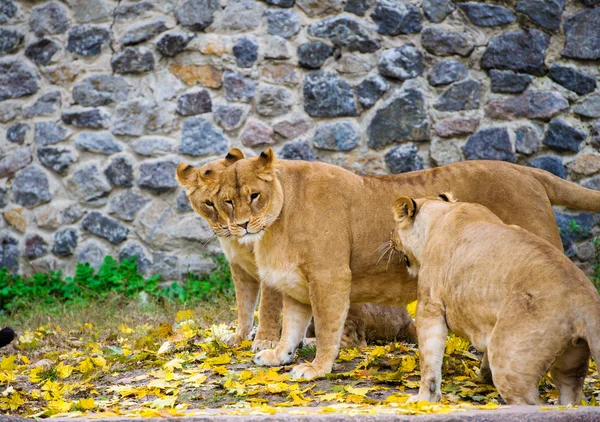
209 204
229 201
254 196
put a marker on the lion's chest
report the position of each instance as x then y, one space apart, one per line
287 280
239 254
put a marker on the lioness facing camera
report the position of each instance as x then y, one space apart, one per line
515 296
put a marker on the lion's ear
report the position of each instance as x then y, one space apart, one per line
404 208
186 175
446 197
266 158
234 155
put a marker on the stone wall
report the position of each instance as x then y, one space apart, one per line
99 101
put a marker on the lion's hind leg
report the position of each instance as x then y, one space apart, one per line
569 371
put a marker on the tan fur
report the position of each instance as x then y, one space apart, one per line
515 296
316 230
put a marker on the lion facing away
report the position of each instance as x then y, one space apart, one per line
515 296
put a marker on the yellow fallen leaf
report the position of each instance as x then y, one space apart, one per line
86 404
164 348
125 329
59 406
63 371
409 363
184 315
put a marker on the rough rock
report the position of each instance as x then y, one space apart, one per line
403 158
71 214
320 7
30 187
129 11
65 242
200 137
9 110
273 101
94 118
443 152
91 253
585 164
403 118
337 136
459 126
35 246
312 55
167 266
105 227
256 133
584 220
550 163
482 14
15 218
490 144
461 95
590 107
520 51
89 186
582 33
196 15
158 176
239 16
546 13
47 133
48 19
370 90
358 7
229 116
172 44
280 74
541 105
405 62
395 18
238 88
100 90
445 72
529 139
206 75
126 206
437 10
140 117
563 137
9 253
17 133
151 146
132 60
133 249
507 82
8 10
10 41
245 51
62 74
196 265
55 159
327 95
595 135
16 160
141 33
99 142
193 103
41 51
44 105
297 150
442 42
573 80
85 11
276 48
17 80
283 23
292 128
48 217
87 40
183 202
120 172
346 33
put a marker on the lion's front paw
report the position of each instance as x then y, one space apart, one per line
233 339
306 371
267 358
259 344
427 396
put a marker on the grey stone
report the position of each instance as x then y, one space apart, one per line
276 48
16 160
404 158
196 265
245 51
153 146
507 82
2 197
138 117
281 3
71 214
256 133
238 88
445 72
550 163
167 266
563 137
595 135
7 11
56 159
461 95
193 103
89 186
10 41
273 101
403 118
91 253
584 220
297 150
443 152
65 242
35 246
346 33
41 51
358 7
133 249
482 14
128 11
582 33
105 227
126 206
183 202
100 142
93 118
327 95
442 42
546 13
283 23
337 136
17 80
200 137
239 16
120 172
9 253
196 15
87 40
520 51
158 176
405 62
48 217
312 55
100 90
9 110
132 60
48 19
590 107
541 105
490 144
573 80
172 44
85 11
292 128
320 7
593 183
529 140
395 18
229 116
44 105
47 133
459 126
143 32
437 10
370 90
16 133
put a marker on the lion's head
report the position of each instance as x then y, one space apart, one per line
202 185
250 196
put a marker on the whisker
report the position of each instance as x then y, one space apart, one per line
384 253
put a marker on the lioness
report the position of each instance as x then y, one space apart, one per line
365 322
515 296
316 229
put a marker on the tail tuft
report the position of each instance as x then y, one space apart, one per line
6 336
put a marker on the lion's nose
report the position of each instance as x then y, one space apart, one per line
243 225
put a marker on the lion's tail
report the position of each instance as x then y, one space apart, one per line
6 336
568 194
